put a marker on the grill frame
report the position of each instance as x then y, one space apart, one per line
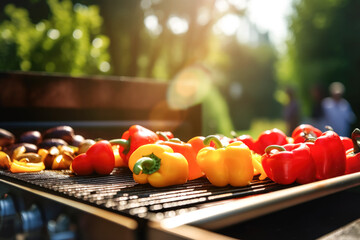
130 198
205 220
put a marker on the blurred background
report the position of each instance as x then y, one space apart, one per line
244 60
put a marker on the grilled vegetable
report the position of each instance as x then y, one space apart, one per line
158 165
226 165
303 132
269 137
22 147
65 133
5 160
329 155
135 137
24 166
85 145
99 158
353 155
289 163
189 150
33 137
52 142
6 138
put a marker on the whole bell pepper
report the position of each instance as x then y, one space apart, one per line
165 135
305 131
329 155
247 139
347 142
158 165
270 137
226 165
99 158
189 150
133 138
353 155
289 163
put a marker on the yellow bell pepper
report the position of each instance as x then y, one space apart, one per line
5 160
24 166
226 165
158 165
258 168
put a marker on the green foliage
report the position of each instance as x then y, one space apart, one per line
323 48
250 85
262 124
70 41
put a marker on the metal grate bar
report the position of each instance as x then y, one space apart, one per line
118 192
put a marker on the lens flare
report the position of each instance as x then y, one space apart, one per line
189 87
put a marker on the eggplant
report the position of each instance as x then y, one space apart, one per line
77 140
6 138
85 145
65 133
51 142
33 137
29 147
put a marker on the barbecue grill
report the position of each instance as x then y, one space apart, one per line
59 205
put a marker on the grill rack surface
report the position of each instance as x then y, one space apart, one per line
119 193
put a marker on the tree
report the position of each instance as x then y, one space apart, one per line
323 48
70 41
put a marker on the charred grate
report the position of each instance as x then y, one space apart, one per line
119 193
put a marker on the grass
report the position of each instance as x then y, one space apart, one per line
259 125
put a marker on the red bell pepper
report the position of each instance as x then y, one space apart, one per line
189 150
305 131
270 137
347 142
247 140
133 138
289 163
165 135
99 158
329 156
353 155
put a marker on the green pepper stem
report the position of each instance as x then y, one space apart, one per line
271 147
214 139
161 134
355 135
147 164
122 142
329 128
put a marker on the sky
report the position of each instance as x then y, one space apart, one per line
270 15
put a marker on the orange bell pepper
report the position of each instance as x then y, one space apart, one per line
189 150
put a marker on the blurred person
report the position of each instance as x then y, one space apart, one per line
317 112
291 111
338 113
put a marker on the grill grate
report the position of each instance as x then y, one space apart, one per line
119 193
